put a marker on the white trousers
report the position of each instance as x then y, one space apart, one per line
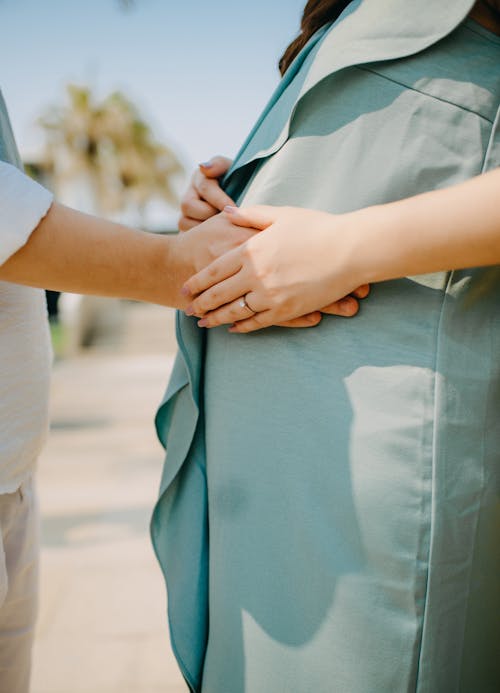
19 551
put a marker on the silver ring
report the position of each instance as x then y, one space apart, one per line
243 303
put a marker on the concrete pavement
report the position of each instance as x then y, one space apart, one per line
102 625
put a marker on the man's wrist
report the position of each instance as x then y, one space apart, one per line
176 267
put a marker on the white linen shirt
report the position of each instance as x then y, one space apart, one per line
25 351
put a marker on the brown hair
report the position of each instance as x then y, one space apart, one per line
316 14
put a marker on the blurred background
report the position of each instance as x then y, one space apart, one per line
113 103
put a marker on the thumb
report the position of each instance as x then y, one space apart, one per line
215 167
257 217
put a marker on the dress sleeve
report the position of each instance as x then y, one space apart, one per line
23 204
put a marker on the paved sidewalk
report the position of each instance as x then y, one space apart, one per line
102 625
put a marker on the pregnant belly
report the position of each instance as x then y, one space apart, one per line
328 397
319 447
319 467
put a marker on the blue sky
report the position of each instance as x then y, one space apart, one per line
200 72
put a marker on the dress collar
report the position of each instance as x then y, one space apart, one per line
368 31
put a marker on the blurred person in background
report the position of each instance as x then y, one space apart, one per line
43 244
328 516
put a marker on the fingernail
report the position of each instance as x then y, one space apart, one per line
202 322
229 209
185 291
206 164
189 310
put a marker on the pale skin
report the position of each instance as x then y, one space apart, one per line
72 251
284 277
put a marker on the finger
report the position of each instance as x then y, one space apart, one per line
228 314
211 192
225 266
257 217
310 320
347 307
186 223
362 291
194 208
258 322
223 293
215 167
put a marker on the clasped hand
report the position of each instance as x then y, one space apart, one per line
288 276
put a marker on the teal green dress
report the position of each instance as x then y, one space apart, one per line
329 512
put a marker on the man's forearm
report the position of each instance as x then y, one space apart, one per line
72 251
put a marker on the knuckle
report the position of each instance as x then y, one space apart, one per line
261 275
196 178
199 308
248 251
206 301
184 224
192 286
185 206
243 235
192 289
258 320
286 303
213 296
204 187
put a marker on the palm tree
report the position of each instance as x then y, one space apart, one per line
103 158
108 144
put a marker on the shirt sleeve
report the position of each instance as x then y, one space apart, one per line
23 204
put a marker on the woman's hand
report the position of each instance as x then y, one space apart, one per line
204 198
293 269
